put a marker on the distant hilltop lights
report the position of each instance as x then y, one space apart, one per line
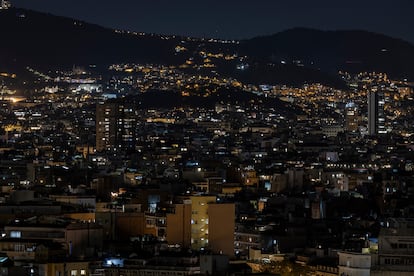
5 5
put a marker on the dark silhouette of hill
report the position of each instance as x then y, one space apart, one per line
331 51
45 41
261 72
170 99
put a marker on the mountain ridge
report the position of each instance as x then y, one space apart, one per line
348 50
294 56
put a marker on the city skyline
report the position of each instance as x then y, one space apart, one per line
133 153
235 19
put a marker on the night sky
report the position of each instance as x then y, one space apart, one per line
236 19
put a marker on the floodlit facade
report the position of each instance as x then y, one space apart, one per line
212 225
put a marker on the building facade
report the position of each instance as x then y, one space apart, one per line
354 264
212 225
115 126
396 247
376 115
351 117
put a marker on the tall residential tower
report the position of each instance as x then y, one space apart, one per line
351 117
376 115
115 126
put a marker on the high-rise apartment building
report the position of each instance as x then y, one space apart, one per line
376 115
351 117
200 220
212 225
115 126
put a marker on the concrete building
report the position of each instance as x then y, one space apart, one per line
354 264
200 220
80 268
212 225
178 229
351 117
106 125
376 116
249 177
278 182
221 228
332 130
396 247
295 178
214 264
76 238
82 200
163 265
115 126
246 239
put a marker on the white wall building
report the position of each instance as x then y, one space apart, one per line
354 264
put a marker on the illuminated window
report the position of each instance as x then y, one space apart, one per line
73 273
15 234
19 247
83 272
